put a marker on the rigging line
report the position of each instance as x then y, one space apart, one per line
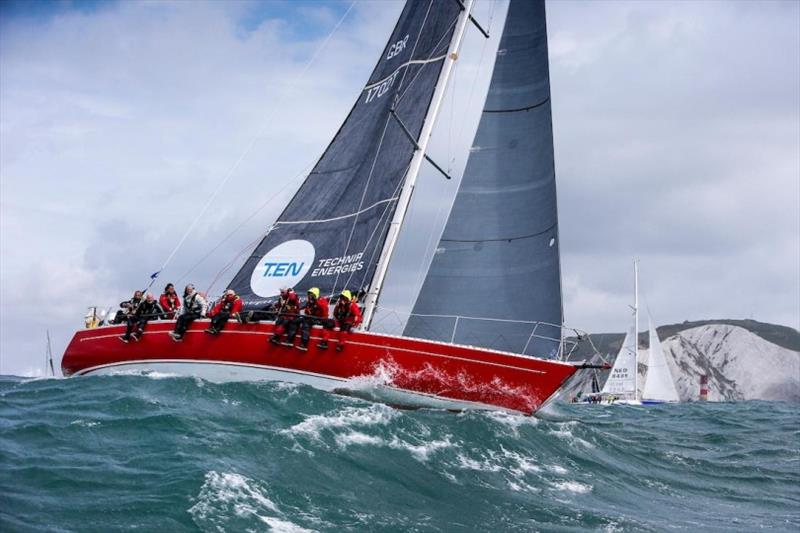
509 239
334 219
404 65
235 260
382 223
414 48
380 143
366 188
410 83
377 153
380 146
248 219
429 250
253 141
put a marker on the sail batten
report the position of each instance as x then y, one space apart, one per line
498 256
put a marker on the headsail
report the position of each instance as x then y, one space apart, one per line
498 256
658 385
621 381
332 232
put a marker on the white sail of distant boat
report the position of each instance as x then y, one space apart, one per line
621 385
659 386
621 382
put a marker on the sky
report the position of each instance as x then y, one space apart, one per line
676 132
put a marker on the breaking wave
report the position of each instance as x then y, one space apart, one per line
162 453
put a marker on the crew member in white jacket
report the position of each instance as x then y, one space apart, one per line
194 307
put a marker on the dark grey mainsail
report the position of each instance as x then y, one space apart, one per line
332 232
498 256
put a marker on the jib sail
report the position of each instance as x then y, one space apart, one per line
498 257
332 232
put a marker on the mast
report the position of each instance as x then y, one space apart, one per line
413 170
636 329
49 356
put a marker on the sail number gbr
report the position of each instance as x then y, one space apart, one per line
381 88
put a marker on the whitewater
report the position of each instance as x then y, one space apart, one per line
163 453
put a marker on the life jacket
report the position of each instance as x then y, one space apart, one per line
190 303
149 310
348 313
289 305
170 302
319 309
227 305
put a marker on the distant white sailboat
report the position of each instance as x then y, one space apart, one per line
659 387
621 385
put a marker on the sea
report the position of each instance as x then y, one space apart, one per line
163 453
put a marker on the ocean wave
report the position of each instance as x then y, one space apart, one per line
181 455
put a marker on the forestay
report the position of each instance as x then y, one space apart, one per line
498 257
333 230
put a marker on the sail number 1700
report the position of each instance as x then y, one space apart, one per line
381 89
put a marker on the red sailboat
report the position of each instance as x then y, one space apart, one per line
500 244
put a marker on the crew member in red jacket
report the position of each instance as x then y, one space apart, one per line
315 313
346 316
170 302
227 306
288 306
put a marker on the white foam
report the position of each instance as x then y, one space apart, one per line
84 423
556 469
152 374
564 431
468 463
573 486
357 438
371 415
513 421
282 526
421 452
226 492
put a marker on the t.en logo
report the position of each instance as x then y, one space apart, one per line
283 266
283 269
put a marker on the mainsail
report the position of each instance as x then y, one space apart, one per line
498 257
332 232
658 385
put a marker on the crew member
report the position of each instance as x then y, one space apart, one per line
126 308
315 313
346 316
287 307
194 307
170 302
146 310
229 304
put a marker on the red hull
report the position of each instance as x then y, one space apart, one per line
452 372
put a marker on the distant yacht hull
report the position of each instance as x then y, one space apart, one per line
397 370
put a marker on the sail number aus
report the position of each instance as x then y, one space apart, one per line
381 89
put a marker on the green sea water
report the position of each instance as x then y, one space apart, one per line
151 453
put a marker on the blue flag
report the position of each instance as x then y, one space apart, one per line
154 275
